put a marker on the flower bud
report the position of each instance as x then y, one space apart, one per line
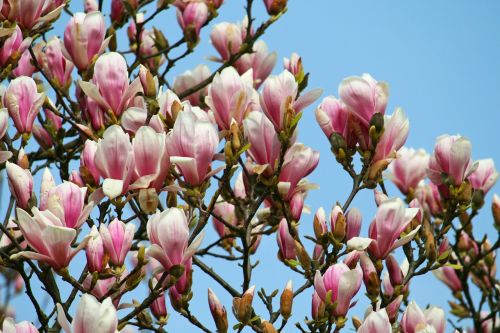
117 240
274 7
96 262
218 312
242 306
286 301
267 327
159 308
495 207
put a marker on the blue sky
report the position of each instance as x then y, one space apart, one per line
442 61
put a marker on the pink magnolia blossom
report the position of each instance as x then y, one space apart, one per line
167 101
193 16
169 234
317 307
114 159
148 48
135 117
192 144
396 128
286 243
55 65
353 220
409 168
24 66
95 252
265 146
343 284
23 102
87 160
51 240
13 46
294 65
159 307
451 157
391 220
117 239
226 212
333 116
364 97
299 161
415 320
376 322
118 8
110 87
4 124
67 203
151 158
91 316
42 136
260 61
84 38
485 176
20 184
10 326
448 276
279 93
230 97
30 13
191 78
226 38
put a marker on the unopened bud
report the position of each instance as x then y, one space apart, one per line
218 312
339 146
160 40
148 200
356 322
319 224
147 81
495 207
242 307
22 159
304 259
274 7
286 301
267 327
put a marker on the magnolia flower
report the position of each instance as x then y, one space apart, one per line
30 13
10 326
117 240
91 316
24 66
391 220
448 276
110 87
192 144
396 128
279 94
191 78
226 38
193 17
230 97
485 176
55 65
409 168
430 320
299 161
20 184
84 38
286 243
364 97
114 159
4 124
14 45
452 157
376 322
168 232
265 146
95 252
341 283
333 117
294 65
23 102
51 240
151 158
260 61
66 202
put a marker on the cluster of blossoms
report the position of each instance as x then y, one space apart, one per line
145 164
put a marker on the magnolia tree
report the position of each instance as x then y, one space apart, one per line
134 168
